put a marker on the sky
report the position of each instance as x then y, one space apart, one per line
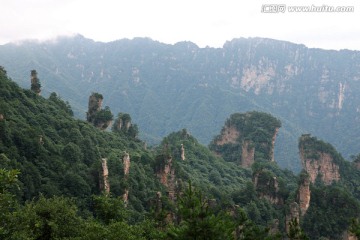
204 22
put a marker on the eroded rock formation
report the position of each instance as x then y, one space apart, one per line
126 196
35 83
182 152
273 145
247 137
318 162
100 118
247 154
304 194
324 167
126 163
166 175
229 134
104 184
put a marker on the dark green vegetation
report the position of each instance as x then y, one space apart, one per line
256 128
169 87
52 185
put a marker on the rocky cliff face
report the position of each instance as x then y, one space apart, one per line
317 159
247 136
273 139
247 154
104 184
229 134
94 105
126 163
324 167
304 195
182 152
166 175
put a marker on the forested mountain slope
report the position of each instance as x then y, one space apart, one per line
104 184
170 87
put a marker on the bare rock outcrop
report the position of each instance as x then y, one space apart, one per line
35 83
104 180
126 163
182 152
324 167
247 154
273 145
317 159
100 118
229 134
247 137
304 194
166 175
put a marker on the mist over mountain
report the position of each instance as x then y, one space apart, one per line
169 87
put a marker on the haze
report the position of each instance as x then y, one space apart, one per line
206 23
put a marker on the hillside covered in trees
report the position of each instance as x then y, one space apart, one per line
64 178
167 87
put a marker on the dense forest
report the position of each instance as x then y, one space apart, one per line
65 178
167 87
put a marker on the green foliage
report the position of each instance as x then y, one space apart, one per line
65 106
108 209
295 231
257 128
123 125
198 221
355 227
211 174
312 147
60 159
8 180
54 218
331 209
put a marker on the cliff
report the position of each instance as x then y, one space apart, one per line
182 152
166 174
319 160
100 118
247 154
126 164
247 137
94 106
304 193
35 83
104 182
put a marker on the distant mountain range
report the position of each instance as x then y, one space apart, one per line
166 87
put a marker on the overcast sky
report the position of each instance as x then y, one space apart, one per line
204 22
